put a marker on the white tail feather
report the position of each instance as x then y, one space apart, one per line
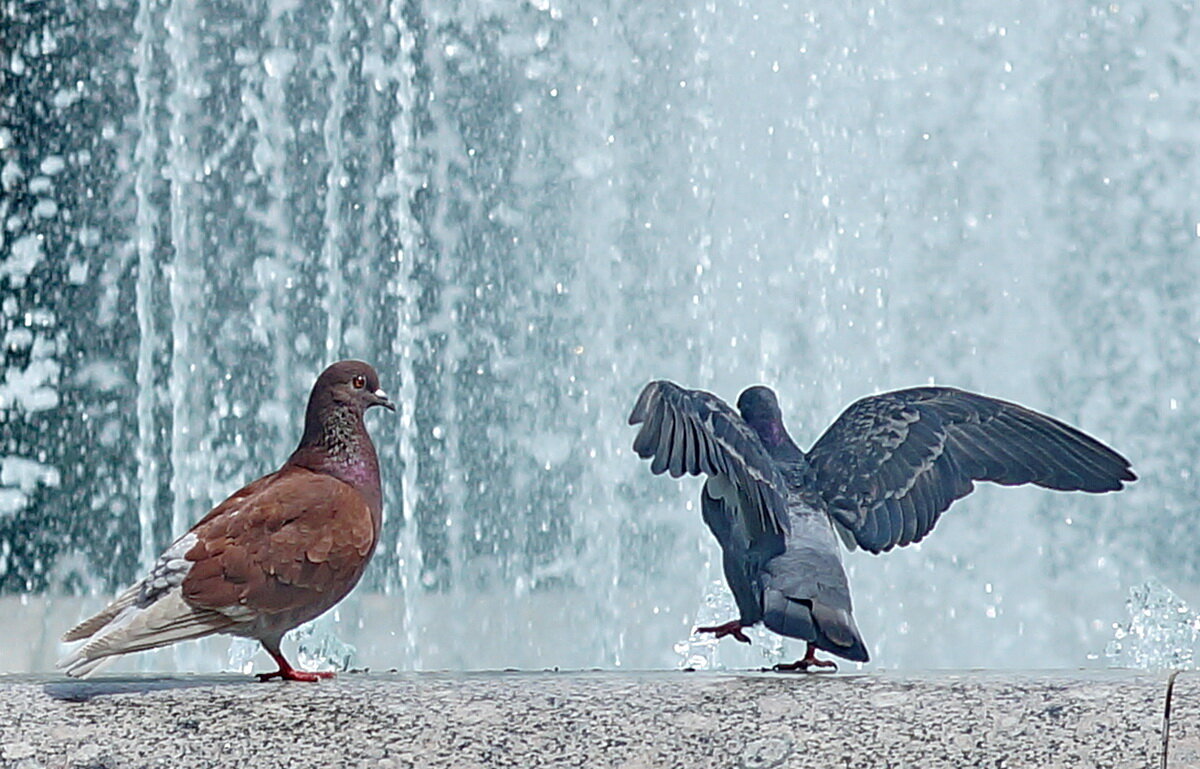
133 628
90 625
83 668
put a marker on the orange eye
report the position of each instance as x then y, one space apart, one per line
359 381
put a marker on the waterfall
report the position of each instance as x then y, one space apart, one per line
520 212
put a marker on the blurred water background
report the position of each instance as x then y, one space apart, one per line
521 211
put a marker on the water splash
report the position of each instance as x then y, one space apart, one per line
1162 632
699 651
321 648
241 655
703 651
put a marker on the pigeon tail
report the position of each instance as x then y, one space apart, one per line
77 666
832 630
167 620
89 626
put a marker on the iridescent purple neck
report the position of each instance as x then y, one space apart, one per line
776 441
770 431
339 445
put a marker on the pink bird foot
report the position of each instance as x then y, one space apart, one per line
732 627
288 673
291 674
810 661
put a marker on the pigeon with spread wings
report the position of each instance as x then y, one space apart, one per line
879 477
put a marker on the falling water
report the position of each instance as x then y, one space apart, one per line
520 212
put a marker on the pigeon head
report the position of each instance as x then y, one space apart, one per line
334 434
760 409
349 383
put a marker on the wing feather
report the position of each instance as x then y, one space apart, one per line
894 519
909 505
891 464
696 433
691 457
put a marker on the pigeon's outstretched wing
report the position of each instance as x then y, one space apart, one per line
694 432
891 464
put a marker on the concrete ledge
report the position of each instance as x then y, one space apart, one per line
661 719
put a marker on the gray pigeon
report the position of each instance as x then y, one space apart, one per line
879 477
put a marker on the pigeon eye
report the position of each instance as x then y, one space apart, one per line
359 382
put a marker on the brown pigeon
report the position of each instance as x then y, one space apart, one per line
276 554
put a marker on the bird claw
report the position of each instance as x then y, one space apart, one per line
733 628
292 674
801 666
288 673
810 661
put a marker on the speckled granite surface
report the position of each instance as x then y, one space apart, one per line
664 719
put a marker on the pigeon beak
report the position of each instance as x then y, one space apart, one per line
381 399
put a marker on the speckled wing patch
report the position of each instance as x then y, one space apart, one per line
891 464
695 432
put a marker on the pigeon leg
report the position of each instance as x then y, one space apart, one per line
732 627
288 673
810 661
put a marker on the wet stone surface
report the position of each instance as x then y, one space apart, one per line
665 719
